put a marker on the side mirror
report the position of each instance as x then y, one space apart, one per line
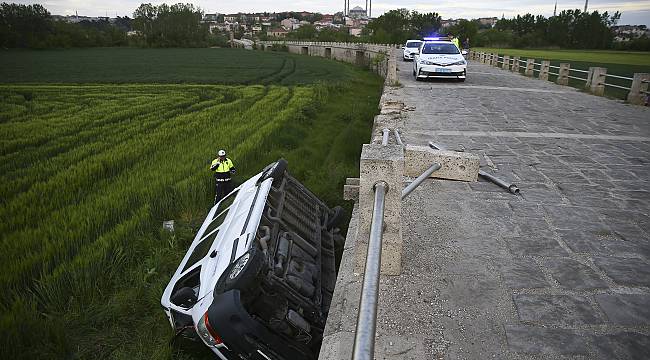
403 47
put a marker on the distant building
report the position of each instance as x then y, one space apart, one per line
289 23
355 31
231 18
447 23
629 32
210 17
357 12
491 21
279 32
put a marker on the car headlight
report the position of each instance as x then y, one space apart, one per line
461 62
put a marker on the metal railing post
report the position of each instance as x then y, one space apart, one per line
364 339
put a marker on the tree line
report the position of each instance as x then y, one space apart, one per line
571 29
178 25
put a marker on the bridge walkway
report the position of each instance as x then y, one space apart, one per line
561 271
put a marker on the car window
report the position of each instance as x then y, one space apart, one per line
226 202
439 48
413 44
210 233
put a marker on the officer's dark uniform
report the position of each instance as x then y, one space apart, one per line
222 171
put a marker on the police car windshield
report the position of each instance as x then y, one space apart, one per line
439 48
413 44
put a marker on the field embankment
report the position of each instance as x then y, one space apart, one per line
621 63
89 172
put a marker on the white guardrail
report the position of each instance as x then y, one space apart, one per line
596 79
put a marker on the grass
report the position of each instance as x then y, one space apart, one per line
90 171
196 66
621 63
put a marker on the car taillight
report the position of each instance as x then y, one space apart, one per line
207 333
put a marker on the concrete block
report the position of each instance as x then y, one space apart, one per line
455 165
639 88
351 189
381 163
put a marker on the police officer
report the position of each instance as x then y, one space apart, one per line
223 168
455 41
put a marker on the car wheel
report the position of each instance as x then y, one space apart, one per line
275 171
243 273
461 80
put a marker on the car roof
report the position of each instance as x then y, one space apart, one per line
414 40
437 42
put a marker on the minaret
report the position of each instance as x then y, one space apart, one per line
366 7
586 3
555 10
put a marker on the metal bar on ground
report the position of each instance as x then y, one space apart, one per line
617 86
398 138
407 190
510 187
619 77
364 339
384 137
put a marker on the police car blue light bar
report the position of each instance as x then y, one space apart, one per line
431 38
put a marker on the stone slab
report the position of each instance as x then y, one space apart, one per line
555 309
626 309
571 274
625 271
541 340
455 165
524 273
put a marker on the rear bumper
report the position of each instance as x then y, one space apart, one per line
246 337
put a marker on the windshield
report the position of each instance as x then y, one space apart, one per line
440 48
413 44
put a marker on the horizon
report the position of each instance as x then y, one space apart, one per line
632 12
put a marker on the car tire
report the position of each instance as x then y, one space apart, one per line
461 80
244 277
274 171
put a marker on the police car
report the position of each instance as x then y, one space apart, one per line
257 281
439 58
411 48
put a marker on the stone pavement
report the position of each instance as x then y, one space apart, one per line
561 271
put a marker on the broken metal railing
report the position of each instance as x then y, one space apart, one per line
508 186
364 339
425 175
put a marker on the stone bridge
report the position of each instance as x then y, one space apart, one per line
560 271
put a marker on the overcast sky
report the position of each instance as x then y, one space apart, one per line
633 12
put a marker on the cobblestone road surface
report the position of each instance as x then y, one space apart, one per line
561 271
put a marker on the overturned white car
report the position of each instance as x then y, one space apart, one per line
258 279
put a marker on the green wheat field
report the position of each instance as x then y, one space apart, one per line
100 146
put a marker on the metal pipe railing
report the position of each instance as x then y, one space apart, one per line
407 190
384 137
364 339
398 138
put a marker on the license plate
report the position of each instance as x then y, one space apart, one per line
443 70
